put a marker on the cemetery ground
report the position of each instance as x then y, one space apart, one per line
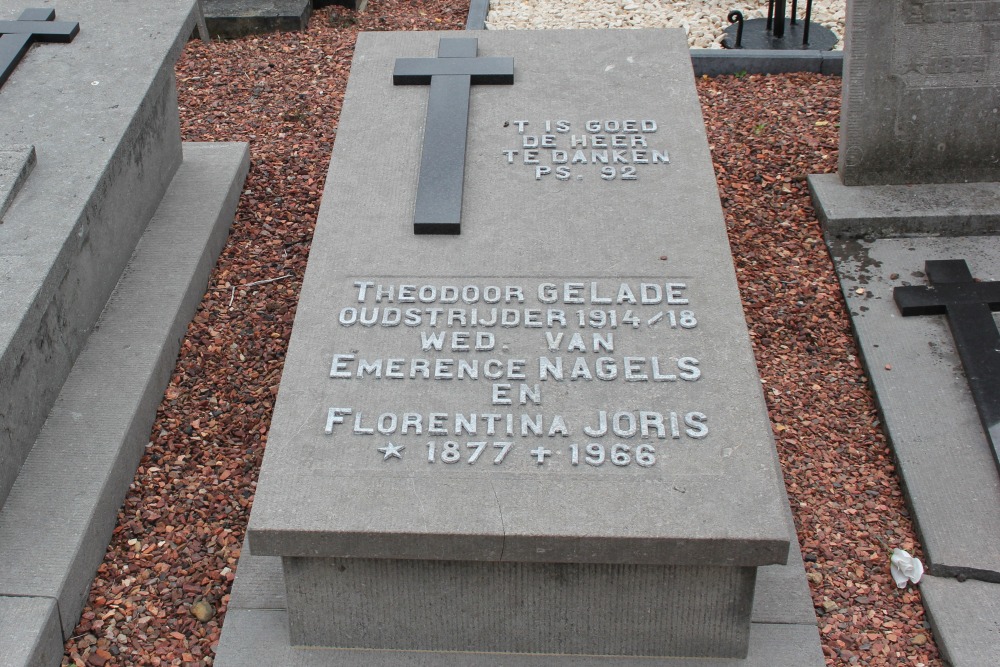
160 595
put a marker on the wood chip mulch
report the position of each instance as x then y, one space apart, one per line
160 595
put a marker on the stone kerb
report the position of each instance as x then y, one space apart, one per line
107 142
579 368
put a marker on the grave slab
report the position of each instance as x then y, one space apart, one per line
577 360
944 458
58 518
965 616
101 114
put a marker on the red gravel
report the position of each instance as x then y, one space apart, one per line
179 533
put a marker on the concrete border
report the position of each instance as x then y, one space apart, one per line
716 62
59 516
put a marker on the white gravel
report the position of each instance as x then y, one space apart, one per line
702 20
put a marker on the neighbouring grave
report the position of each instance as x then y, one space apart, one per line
109 225
911 217
238 18
544 435
920 126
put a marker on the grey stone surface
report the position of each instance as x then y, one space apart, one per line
966 619
951 209
16 162
238 18
578 609
944 458
58 518
30 635
101 113
921 89
711 501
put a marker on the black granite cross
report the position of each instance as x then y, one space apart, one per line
968 304
442 160
34 25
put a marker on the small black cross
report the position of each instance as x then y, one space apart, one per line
442 160
968 305
34 25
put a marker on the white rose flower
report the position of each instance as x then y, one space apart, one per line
903 567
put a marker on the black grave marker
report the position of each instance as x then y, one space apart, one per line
968 304
442 160
34 25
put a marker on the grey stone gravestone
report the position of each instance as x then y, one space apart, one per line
110 225
921 107
546 435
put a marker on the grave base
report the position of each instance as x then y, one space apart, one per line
576 608
782 631
957 209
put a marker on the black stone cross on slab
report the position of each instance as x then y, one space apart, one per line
34 25
442 159
968 304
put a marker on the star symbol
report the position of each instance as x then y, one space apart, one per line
392 450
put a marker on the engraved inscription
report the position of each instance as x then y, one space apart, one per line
610 149
947 43
950 11
508 344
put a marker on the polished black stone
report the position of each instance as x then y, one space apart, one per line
34 25
968 304
442 160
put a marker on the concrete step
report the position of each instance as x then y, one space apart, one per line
60 513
